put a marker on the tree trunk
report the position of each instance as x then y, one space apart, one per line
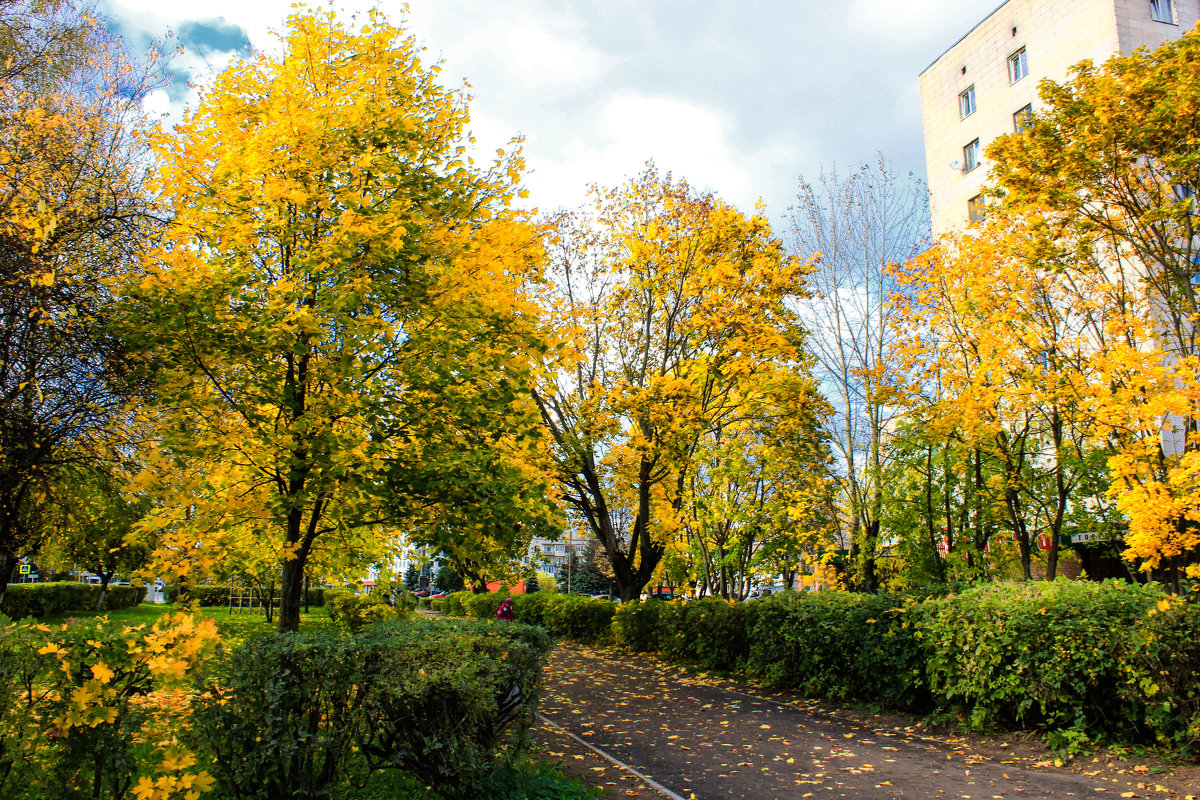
1012 502
105 577
289 600
8 563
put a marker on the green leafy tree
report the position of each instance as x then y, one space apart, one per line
97 529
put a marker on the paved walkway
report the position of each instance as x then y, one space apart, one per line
714 741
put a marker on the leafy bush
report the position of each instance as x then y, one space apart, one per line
533 779
208 595
636 625
709 631
283 724
39 599
215 595
352 612
437 691
82 681
424 696
1047 655
454 604
1162 675
838 645
584 619
531 608
483 606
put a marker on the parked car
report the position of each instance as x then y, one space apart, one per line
437 596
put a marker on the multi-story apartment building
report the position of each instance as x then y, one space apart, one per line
550 555
985 84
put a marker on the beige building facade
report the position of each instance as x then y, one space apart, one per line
986 82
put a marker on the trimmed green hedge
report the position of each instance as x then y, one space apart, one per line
838 645
352 612
212 595
1109 659
636 625
1062 654
710 632
424 696
39 599
583 619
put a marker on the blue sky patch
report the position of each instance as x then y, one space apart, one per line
213 36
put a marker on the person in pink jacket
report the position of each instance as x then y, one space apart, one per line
505 611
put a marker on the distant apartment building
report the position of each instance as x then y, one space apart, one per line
986 83
551 555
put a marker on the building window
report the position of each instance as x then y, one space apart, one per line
1018 66
1022 117
1162 11
971 156
966 103
975 209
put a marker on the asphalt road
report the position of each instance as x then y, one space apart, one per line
712 741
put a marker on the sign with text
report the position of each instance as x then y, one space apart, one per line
1087 536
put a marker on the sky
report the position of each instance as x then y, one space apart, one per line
740 97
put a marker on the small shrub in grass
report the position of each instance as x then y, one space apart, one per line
1046 655
635 625
838 645
530 779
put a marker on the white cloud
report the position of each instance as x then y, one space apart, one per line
628 129
915 20
530 55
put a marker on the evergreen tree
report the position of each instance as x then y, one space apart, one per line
412 578
447 579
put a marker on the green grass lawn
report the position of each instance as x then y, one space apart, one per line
235 627
145 613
